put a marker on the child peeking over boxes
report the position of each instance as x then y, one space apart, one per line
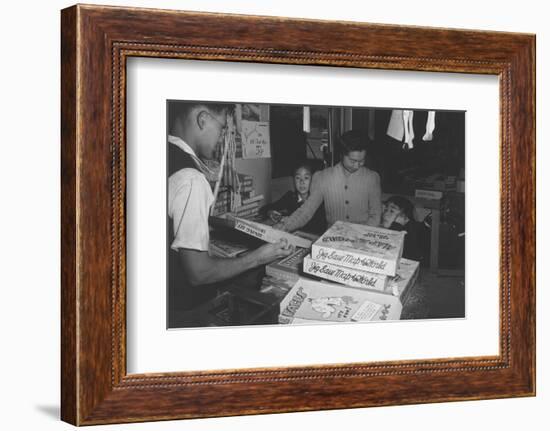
398 215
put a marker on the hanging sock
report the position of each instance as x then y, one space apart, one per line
395 126
307 120
408 128
430 126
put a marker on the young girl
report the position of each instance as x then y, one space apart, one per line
292 200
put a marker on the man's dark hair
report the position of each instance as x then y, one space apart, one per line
181 109
404 205
353 140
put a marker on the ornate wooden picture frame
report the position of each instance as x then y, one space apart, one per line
96 42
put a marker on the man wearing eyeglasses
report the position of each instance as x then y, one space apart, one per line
196 129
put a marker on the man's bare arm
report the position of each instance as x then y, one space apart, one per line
201 268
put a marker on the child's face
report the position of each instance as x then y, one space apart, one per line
302 180
391 213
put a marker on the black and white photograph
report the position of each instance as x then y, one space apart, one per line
275 215
286 214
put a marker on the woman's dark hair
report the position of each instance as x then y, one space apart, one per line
353 140
404 205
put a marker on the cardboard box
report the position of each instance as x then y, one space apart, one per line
347 276
288 267
402 284
312 301
362 247
268 234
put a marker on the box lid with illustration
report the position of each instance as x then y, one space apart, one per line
328 302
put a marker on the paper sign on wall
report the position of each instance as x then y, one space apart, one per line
255 139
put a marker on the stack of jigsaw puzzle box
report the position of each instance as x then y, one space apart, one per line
374 280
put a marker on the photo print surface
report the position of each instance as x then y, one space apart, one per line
295 215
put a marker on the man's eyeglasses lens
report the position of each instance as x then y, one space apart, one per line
223 126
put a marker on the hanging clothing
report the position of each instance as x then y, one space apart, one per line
401 127
408 128
396 126
430 126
